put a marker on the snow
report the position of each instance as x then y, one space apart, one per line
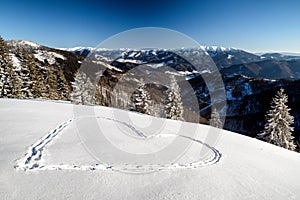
122 60
186 74
106 65
56 55
79 48
237 167
24 43
49 56
270 80
218 49
133 53
16 62
103 58
229 93
247 90
154 52
155 66
229 56
205 71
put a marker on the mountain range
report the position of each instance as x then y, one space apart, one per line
250 80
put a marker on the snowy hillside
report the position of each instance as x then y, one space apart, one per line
43 156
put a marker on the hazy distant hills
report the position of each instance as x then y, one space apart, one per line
270 69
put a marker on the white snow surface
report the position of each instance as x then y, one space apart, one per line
107 65
16 62
49 56
24 43
230 56
30 43
79 48
42 157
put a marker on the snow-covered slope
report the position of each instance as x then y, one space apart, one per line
24 44
42 53
43 136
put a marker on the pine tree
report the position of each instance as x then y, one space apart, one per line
141 99
24 74
278 128
42 88
173 106
215 119
62 85
83 90
157 110
97 95
52 83
35 80
6 71
17 89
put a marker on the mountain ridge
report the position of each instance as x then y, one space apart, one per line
249 81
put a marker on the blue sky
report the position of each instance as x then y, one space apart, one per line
254 25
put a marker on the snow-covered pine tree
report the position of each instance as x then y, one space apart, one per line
157 110
173 105
17 87
6 71
42 88
52 83
83 90
97 95
35 76
278 129
62 85
215 119
24 74
141 100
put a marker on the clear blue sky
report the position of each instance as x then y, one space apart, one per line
255 25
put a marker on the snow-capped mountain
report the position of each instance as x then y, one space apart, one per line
225 57
222 56
84 51
215 49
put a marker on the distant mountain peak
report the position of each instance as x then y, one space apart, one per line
218 49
